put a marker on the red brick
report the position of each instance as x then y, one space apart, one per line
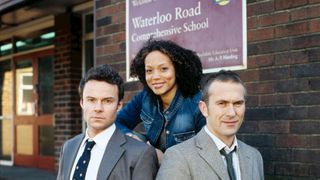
111 58
274 99
99 32
102 41
111 29
305 127
313 11
274 127
291 169
306 155
122 6
307 41
307 70
287 58
107 11
260 8
287 4
260 61
119 37
268 168
298 141
274 19
274 73
267 47
313 111
314 25
252 22
314 84
260 34
297 14
276 154
306 98
99 50
292 141
313 141
259 140
249 75
108 49
122 27
252 100
314 170
249 127
292 29
119 18
260 88
304 13
102 3
313 1
291 85
258 113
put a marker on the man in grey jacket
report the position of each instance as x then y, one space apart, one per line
103 152
215 152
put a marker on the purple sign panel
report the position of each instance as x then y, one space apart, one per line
215 29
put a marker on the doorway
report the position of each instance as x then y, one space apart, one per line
33 109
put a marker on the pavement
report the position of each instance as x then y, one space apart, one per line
18 173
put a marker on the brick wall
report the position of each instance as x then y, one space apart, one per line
110 39
283 79
67 71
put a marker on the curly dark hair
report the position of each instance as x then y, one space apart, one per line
187 65
103 73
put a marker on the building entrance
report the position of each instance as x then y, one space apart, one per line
33 109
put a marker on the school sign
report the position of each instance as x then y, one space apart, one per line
215 29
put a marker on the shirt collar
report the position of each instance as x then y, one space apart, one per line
220 144
102 138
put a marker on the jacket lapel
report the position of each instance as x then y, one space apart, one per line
209 152
71 152
111 155
245 162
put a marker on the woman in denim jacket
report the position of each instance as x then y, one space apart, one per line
168 105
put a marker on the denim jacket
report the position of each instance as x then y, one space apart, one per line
181 120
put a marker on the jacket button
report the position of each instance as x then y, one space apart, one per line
167 132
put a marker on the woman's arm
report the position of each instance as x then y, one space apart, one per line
129 116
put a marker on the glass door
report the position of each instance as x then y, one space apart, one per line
6 123
33 124
25 109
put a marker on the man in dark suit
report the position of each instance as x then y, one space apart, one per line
103 152
215 153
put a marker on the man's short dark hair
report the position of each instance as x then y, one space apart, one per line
222 76
103 73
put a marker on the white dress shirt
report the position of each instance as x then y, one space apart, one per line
97 152
221 145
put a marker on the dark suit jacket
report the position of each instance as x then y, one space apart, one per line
199 159
124 159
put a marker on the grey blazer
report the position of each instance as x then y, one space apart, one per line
124 159
199 159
